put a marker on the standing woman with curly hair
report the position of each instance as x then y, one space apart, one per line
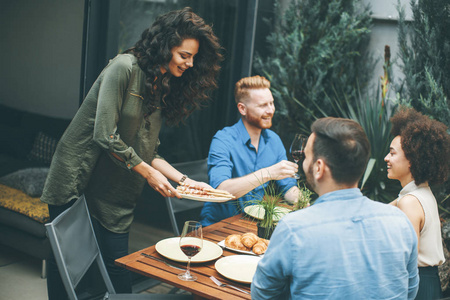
419 156
109 151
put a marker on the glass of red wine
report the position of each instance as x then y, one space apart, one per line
191 242
298 149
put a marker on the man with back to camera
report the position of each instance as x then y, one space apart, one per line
243 158
344 246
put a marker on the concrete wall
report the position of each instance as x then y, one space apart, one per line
384 32
40 59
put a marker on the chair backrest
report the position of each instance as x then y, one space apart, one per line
75 247
196 170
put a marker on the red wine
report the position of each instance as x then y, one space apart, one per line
298 155
190 250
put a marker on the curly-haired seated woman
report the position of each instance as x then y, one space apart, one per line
109 151
419 156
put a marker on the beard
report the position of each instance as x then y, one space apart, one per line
258 122
309 181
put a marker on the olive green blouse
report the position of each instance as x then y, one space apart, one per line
112 119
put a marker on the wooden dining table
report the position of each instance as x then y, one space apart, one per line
203 287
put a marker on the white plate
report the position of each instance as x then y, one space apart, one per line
222 244
170 248
205 199
240 268
257 212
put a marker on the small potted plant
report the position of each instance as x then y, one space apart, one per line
269 210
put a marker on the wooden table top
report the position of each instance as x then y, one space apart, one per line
203 288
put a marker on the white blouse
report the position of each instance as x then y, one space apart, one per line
431 252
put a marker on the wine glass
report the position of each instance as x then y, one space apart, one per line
191 242
298 149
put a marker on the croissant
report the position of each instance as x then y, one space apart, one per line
249 239
234 241
260 247
265 241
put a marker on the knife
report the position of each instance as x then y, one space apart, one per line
161 260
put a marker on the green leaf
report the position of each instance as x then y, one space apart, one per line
369 168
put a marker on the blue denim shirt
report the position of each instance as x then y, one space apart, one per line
232 155
345 246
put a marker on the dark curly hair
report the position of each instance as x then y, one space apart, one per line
178 97
426 145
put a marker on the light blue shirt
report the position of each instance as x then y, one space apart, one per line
232 155
345 246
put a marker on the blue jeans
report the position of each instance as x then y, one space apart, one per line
112 246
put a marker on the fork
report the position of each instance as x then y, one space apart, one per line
214 279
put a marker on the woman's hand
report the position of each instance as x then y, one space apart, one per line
197 183
156 180
160 184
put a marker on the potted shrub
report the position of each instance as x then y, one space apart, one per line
268 210
266 226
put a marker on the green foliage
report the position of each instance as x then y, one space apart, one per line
315 46
270 200
425 53
373 113
304 198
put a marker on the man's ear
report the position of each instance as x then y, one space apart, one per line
242 108
319 169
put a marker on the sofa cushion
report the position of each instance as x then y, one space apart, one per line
44 147
30 181
20 202
14 223
11 164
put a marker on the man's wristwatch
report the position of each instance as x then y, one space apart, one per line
183 178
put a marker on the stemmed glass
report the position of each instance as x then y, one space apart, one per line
298 149
191 242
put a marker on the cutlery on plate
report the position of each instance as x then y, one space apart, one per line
163 261
214 279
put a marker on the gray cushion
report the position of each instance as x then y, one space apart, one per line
30 181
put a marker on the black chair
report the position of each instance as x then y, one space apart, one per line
75 248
